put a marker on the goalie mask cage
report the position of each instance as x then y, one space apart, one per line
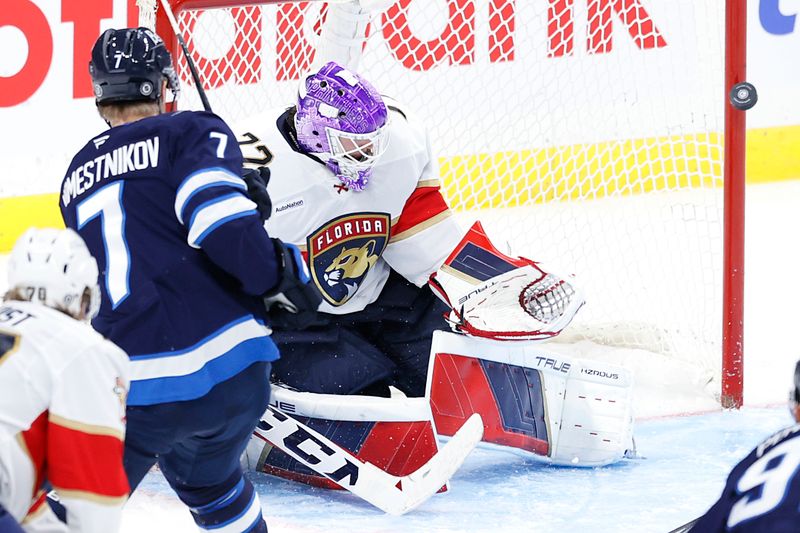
592 134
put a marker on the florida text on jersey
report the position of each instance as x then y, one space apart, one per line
350 239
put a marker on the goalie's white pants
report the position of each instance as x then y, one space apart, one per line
533 399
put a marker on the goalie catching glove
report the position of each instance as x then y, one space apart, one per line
294 301
499 297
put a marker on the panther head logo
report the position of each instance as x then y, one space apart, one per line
351 263
344 251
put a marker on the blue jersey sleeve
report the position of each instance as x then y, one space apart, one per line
212 204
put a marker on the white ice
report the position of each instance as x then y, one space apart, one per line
685 458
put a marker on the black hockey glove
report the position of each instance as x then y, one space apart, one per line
257 181
293 303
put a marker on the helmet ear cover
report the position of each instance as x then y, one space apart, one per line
796 391
129 65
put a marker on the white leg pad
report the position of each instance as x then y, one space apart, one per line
585 405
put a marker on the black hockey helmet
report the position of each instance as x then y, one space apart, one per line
129 64
796 392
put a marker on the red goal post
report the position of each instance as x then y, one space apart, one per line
593 134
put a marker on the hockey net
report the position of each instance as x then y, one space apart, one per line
587 134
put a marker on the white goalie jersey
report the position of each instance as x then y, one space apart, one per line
351 240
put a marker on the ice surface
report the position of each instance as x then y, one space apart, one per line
686 458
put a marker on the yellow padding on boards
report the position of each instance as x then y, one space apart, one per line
19 213
773 154
543 175
613 168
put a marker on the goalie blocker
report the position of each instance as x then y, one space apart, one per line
533 400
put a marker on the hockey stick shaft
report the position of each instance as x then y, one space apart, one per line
392 494
189 61
685 527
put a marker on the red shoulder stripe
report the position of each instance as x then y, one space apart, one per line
423 204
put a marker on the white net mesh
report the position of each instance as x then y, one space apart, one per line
584 133
147 13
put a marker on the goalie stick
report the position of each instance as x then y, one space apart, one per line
685 527
391 494
189 61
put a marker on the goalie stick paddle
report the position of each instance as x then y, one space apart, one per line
392 494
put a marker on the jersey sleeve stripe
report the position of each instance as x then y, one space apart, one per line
68 470
111 501
219 223
424 204
201 180
90 429
422 226
214 213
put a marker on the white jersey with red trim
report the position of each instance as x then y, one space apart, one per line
352 239
62 419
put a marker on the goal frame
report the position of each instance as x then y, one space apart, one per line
732 378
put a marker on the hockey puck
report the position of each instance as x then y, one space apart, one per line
743 96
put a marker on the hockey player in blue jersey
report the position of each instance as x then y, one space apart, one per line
187 274
762 494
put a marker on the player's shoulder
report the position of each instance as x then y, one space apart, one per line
777 438
166 126
405 125
56 332
183 123
178 125
261 126
399 111
263 136
193 117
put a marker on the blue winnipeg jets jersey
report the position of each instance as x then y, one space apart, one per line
183 256
762 494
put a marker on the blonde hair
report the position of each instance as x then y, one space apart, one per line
121 112
17 294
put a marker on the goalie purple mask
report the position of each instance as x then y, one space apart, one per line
342 118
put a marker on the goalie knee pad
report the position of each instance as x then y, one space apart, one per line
395 434
532 400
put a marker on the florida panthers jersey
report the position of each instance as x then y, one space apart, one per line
62 410
352 239
762 494
181 249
